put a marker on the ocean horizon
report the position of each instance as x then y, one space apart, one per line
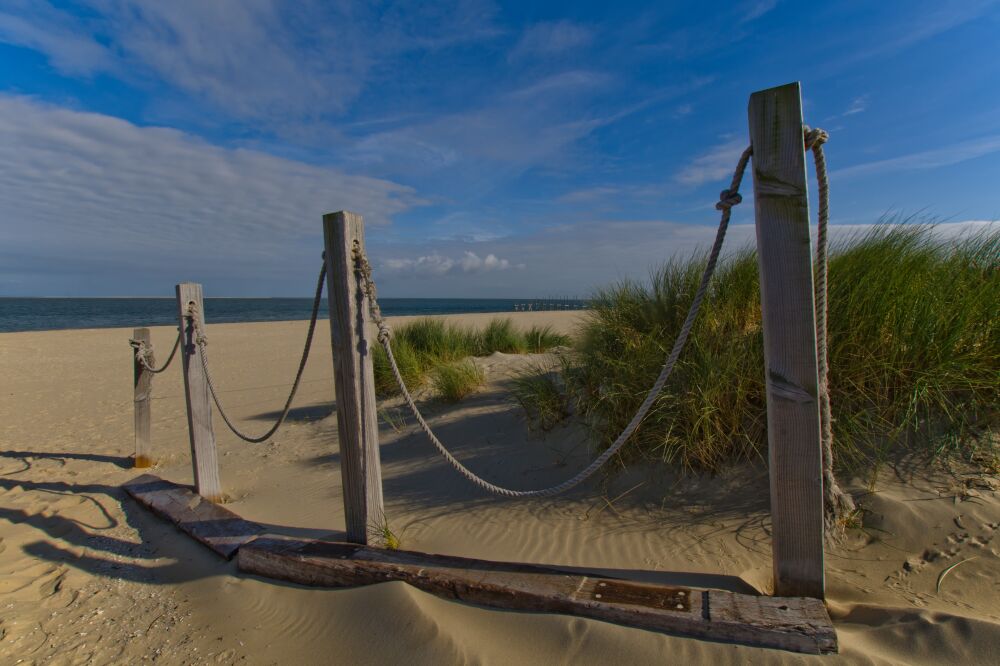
19 314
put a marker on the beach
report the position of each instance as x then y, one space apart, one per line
88 576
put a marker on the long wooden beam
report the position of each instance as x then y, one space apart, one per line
797 624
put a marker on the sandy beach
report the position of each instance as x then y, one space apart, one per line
88 576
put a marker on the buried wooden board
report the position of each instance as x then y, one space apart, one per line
798 624
215 526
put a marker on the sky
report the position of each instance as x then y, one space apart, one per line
495 149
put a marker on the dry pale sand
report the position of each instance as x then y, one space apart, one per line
89 577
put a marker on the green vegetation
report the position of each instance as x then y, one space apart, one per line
539 392
454 381
384 534
425 344
914 350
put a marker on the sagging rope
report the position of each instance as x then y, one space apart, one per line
727 200
144 354
202 341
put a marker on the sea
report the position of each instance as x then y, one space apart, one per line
44 314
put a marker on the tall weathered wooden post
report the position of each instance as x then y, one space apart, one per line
789 319
351 336
204 458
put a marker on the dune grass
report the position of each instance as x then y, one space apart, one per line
914 349
539 391
422 345
454 381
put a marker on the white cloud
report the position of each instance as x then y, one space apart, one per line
522 127
435 264
683 110
716 164
472 263
431 264
254 59
550 38
927 159
70 50
857 105
757 9
91 184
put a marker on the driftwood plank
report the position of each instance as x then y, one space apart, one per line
801 625
215 526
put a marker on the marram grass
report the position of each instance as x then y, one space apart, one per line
914 340
425 344
456 380
539 391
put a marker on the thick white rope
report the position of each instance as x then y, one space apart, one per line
727 200
144 354
202 341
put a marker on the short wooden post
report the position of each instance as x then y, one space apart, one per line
142 387
789 320
199 407
351 337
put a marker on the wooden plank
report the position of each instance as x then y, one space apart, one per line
142 387
211 524
204 458
789 321
801 625
350 335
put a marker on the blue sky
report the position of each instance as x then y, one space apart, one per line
518 149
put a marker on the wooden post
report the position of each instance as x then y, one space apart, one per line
199 406
350 335
142 386
789 320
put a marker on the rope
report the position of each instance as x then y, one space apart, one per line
144 354
202 341
727 199
814 140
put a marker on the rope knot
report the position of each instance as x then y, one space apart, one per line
728 199
814 137
143 352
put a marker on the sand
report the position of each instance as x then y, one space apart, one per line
86 576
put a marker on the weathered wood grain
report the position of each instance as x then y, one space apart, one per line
204 458
789 321
801 625
350 335
142 387
211 524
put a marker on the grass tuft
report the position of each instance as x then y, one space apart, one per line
540 393
424 344
454 381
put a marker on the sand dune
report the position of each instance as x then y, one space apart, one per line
87 576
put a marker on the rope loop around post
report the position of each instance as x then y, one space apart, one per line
814 137
144 354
